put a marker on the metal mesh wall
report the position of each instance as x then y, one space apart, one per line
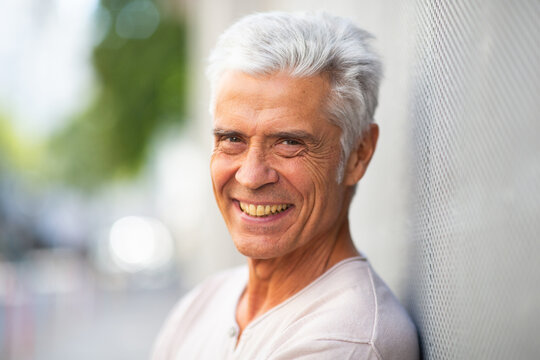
468 74
475 106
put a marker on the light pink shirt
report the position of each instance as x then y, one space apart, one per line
346 313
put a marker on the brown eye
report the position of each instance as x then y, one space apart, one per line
233 139
231 144
289 147
290 142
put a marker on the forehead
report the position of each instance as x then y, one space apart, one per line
277 98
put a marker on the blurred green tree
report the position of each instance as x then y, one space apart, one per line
141 66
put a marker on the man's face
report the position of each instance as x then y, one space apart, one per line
274 165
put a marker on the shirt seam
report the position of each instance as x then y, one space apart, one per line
344 339
355 341
375 350
376 315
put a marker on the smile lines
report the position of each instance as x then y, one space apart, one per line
262 210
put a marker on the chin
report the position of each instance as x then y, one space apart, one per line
258 247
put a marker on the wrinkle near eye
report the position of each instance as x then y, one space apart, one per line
229 147
289 151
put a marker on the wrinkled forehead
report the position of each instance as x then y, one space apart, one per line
306 95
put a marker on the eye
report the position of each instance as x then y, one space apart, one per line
229 139
290 142
230 144
289 147
233 139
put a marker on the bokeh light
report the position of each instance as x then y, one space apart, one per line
139 243
137 20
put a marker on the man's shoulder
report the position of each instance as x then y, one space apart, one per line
343 300
215 289
209 306
351 304
394 334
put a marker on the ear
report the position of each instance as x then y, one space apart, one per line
361 155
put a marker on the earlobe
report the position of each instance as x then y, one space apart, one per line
361 155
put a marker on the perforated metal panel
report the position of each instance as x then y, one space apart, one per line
468 71
475 106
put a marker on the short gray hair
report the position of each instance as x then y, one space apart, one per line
306 44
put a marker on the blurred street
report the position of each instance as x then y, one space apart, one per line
56 310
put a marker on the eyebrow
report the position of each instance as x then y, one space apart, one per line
293 134
223 132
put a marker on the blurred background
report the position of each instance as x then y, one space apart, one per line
106 210
94 154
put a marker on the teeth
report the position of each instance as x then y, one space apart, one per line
262 210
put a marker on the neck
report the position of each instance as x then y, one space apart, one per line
272 281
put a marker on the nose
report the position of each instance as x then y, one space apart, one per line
254 171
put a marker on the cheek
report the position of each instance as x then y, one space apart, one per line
315 180
322 172
321 190
221 171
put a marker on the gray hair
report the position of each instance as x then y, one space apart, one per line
307 44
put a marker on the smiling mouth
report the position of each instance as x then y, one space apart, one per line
263 210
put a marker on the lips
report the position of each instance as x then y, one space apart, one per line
262 210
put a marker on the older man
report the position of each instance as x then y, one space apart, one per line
293 97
